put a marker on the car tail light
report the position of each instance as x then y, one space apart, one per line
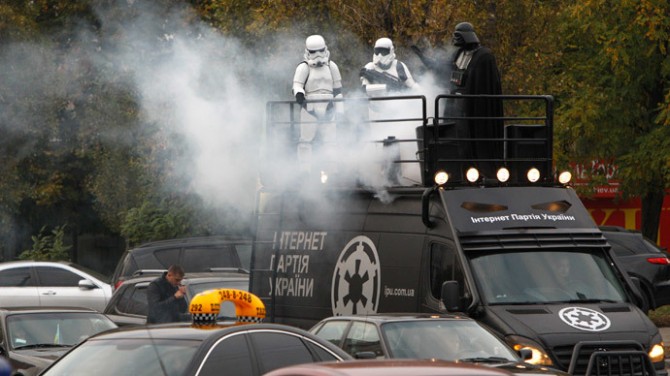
659 260
117 284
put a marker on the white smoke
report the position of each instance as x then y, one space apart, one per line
211 91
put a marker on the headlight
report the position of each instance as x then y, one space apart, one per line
657 353
539 357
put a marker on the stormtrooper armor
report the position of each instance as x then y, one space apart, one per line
385 73
316 82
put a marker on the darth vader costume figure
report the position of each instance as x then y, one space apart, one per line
471 70
474 71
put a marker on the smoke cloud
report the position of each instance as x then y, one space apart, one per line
211 91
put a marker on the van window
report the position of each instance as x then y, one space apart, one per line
166 257
205 258
444 266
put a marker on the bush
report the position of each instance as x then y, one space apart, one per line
48 247
661 316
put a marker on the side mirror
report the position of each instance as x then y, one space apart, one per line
449 296
640 300
85 284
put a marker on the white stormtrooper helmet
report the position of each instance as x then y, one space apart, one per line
384 53
316 52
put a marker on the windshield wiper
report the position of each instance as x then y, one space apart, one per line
491 359
40 345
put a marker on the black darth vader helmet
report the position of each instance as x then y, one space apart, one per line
465 34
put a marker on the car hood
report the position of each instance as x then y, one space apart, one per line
35 358
525 369
567 324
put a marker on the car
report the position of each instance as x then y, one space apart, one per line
449 337
128 305
186 349
51 283
643 259
388 367
33 337
195 254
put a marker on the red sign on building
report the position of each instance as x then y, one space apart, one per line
608 210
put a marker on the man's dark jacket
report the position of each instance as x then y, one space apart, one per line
163 306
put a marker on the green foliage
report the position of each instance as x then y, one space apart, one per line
76 148
48 246
174 216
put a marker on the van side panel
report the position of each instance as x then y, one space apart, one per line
341 255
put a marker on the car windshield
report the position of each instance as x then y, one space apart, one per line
165 357
54 329
444 339
540 277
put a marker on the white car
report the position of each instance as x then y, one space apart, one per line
54 284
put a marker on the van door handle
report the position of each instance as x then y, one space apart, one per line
51 292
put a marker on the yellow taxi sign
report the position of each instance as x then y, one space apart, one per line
205 306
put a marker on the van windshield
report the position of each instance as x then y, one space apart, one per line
541 277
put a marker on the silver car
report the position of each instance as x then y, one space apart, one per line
54 284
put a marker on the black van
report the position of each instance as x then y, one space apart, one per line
507 243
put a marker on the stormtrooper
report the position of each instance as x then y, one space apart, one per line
316 82
385 74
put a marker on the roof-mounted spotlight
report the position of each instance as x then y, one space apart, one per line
564 177
502 174
441 177
533 175
472 175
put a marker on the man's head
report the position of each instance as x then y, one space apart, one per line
464 35
174 275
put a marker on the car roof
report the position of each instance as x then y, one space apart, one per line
193 331
398 316
389 367
202 240
33 262
43 309
196 277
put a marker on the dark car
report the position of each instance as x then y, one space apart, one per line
189 349
643 259
34 337
388 367
128 305
423 336
198 254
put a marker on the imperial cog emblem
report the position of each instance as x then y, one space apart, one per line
356 279
584 319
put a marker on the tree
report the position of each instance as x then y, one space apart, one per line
616 69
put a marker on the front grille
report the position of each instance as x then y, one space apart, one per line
535 239
604 358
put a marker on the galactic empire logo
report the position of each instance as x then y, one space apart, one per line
584 319
356 279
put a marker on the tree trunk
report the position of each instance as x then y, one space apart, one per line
652 204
